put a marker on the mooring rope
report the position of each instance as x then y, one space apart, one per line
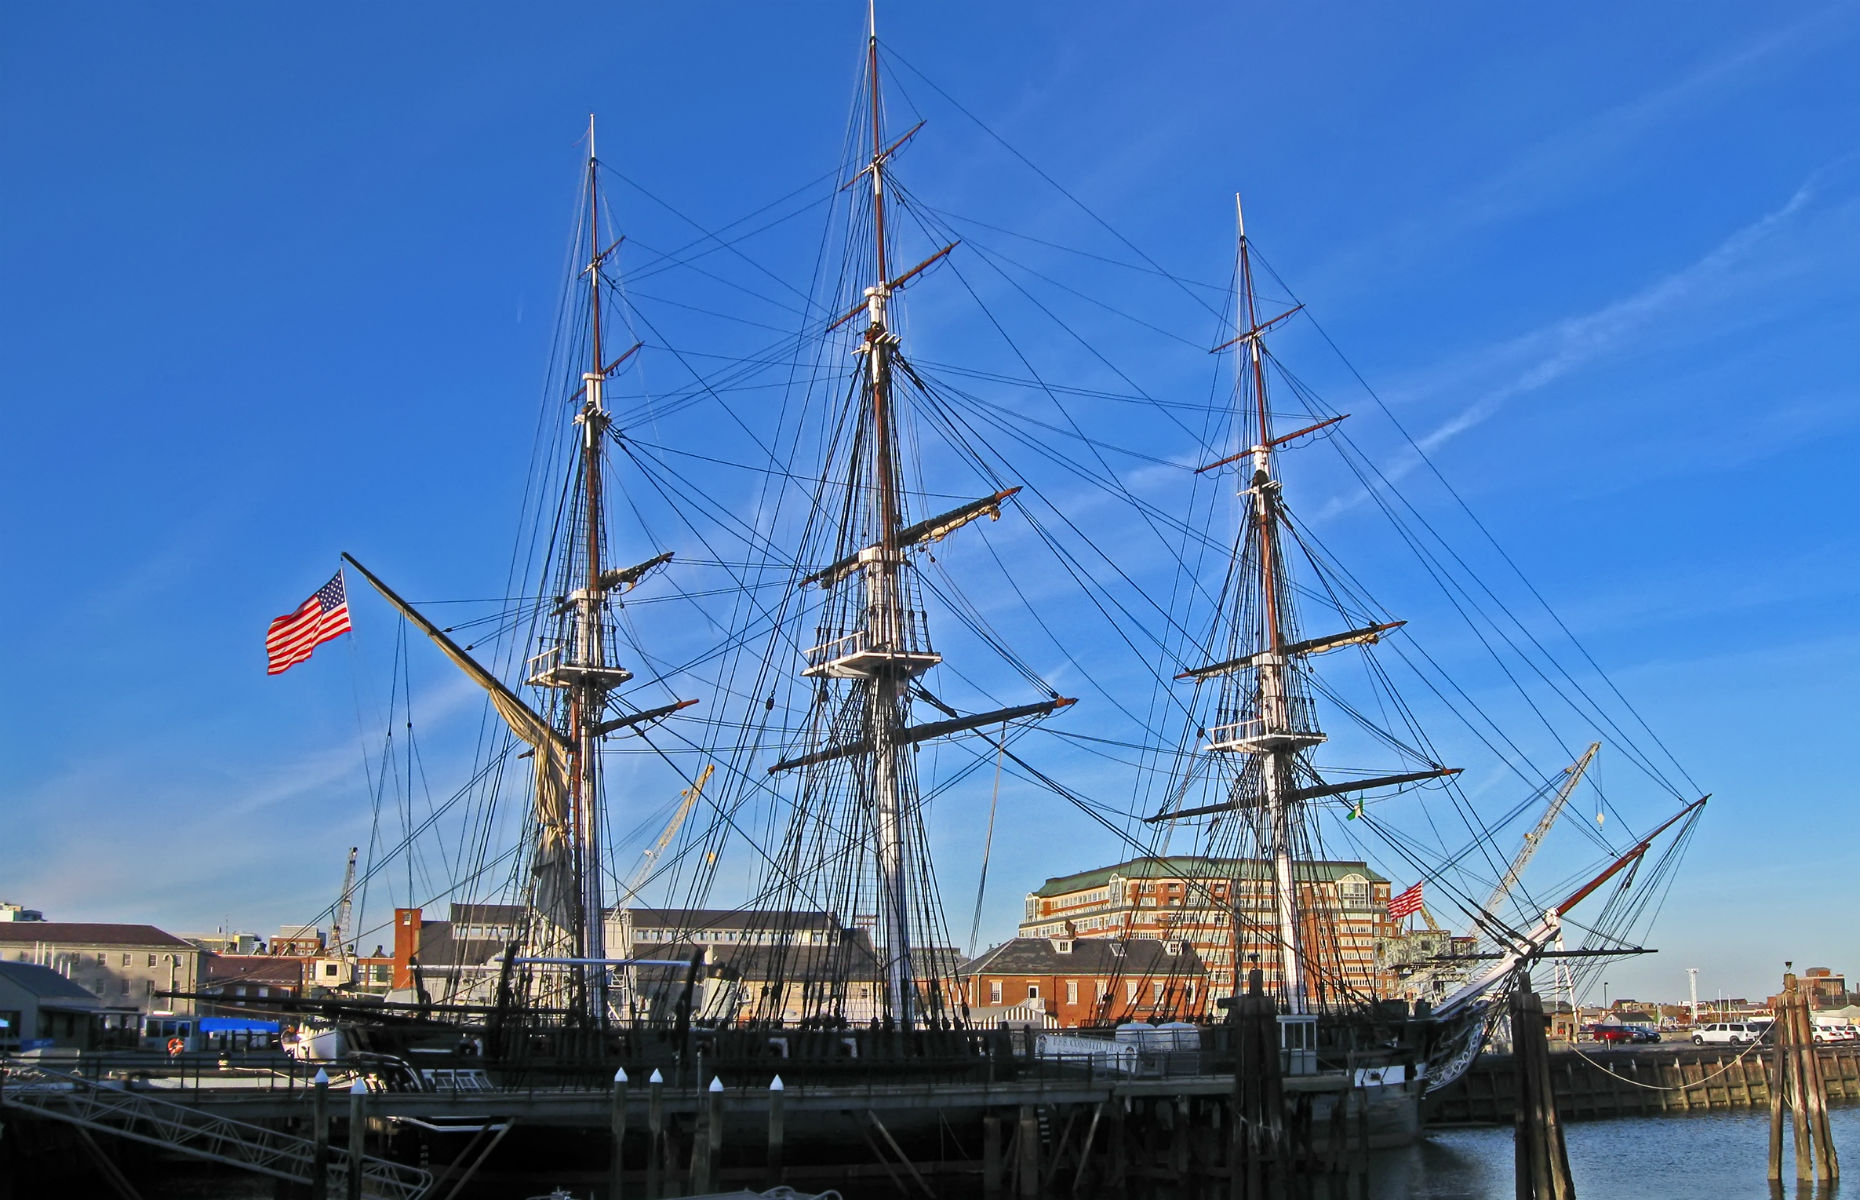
1654 1087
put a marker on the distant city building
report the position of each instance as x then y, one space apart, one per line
227 943
1824 987
1200 901
123 965
249 981
13 912
299 941
1088 981
1422 964
40 1009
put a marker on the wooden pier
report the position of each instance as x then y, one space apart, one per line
1059 1132
1593 1082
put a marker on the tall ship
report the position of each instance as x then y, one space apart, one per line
795 753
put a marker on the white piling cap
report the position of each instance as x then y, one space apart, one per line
716 1084
620 1075
775 1084
358 1088
656 1077
322 1078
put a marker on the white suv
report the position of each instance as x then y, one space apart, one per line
1726 1033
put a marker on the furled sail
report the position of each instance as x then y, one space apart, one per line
552 868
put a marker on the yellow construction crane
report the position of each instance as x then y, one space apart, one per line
687 801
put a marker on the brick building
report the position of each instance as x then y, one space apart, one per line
1199 901
1090 981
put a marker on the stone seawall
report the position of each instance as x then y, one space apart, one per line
1595 1082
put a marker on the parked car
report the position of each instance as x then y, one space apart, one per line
1728 1033
1836 1033
1622 1034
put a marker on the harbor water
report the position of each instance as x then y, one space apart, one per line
1696 1156
1700 1156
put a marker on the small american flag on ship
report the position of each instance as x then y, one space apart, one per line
294 635
1405 905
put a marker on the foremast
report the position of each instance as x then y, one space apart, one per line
577 665
588 693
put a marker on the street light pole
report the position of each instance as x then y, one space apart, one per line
1693 973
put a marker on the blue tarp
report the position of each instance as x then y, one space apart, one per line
236 1025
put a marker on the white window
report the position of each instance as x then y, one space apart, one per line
994 992
1130 991
1033 991
1072 991
1156 993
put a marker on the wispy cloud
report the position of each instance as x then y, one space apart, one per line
1576 156
1527 363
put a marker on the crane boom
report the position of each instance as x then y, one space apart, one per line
345 907
1572 776
688 800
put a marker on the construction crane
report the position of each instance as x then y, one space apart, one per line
345 909
336 967
687 801
1572 776
629 997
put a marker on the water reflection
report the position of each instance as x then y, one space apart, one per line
1701 1156
1720 1156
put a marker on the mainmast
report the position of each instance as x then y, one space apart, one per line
873 637
889 697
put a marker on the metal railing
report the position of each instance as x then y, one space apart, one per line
115 1109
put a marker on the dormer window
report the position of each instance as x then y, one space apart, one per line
1062 945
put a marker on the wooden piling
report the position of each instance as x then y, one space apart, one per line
1256 1137
1541 1161
1798 1085
319 1137
358 1137
1027 1168
709 1154
617 1132
777 1094
655 1131
993 1171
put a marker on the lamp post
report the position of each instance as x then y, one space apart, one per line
1693 974
1604 996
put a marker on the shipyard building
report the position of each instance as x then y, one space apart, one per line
1200 902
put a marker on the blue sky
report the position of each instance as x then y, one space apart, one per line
278 286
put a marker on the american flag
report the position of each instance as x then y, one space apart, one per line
294 635
1405 905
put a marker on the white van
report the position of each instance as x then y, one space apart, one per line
1727 1033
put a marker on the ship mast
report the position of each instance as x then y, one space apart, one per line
588 697
874 639
889 692
1277 741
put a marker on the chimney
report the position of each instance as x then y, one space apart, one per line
406 945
